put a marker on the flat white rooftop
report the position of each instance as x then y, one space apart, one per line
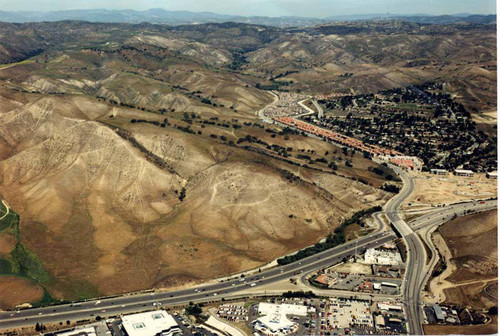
463 171
385 306
149 323
276 315
89 331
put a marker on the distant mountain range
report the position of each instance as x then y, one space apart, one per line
163 16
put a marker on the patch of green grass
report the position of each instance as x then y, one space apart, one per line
409 106
46 300
81 290
25 262
11 222
5 267
249 303
27 61
21 262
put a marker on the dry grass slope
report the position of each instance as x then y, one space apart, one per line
103 219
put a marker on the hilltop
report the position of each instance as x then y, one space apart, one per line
162 16
135 156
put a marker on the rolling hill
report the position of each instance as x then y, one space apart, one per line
135 157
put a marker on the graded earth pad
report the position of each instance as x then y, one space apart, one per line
433 189
472 241
486 329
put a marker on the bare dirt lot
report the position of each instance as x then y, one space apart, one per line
355 268
471 274
15 290
473 243
432 189
480 295
487 329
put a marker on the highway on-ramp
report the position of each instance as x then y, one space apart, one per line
427 224
446 213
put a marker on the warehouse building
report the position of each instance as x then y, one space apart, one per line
438 312
154 323
492 175
275 321
439 171
464 172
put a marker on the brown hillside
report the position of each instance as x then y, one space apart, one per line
103 217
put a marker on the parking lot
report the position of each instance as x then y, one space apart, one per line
359 283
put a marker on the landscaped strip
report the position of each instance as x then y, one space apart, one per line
333 239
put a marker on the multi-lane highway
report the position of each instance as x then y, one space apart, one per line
416 255
446 213
427 224
131 303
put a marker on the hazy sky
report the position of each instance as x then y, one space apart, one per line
311 8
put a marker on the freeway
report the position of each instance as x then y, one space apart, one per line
444 214
133 303
416 254
418 272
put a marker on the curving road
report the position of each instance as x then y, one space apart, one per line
444 214
416 254
319 108
418 271
7 209
427 224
